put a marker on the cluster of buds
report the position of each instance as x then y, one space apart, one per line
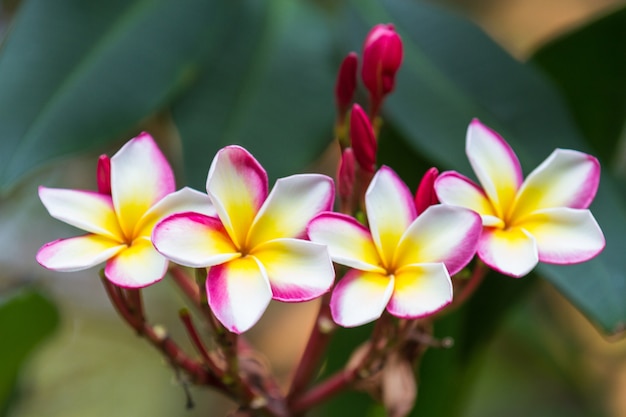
242 244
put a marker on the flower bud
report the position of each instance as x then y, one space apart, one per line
363 139
103 175
346 83
425 195
346 174
382 56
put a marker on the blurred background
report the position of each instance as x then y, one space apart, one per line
537 354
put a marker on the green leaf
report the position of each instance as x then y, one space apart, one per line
75 75
270 90
26 319
589 67
453 72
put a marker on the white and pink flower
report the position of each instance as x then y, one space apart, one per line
403 262
119 219
254 249
543 218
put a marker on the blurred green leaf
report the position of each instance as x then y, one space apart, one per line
453 72
270 90
74 75
589 66
26 319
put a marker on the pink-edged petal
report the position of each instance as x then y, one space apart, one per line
458 190
193 239
420 290
349 242
495 165
136 266
447 234
89 211
291 204
140 176
298 270
390 211
77 253
238 293
360 297
565 179
181 201
565 235
512 252
237 185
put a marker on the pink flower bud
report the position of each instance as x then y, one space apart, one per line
103 175
425 195
346 172
363 139
346 83
382 56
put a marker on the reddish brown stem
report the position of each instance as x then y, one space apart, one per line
478 274
316 345
326 389
198 344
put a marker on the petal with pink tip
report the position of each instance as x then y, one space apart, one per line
565 179
458 190
238 293
291 204
136 266
89 211
443 233
495 165
140 177
565 235
512 252
390 211
193 239
183 200
349 242
360 297
77 253
420 290
237 185
298 270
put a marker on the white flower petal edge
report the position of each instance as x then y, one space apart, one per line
137 266
512 252
565 235
360 297
238 293
420 290
298 270
349 242
77 253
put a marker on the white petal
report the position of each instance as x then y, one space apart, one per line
193 239
89 211
291 204
298 270
455 189
564 235
238 293
512 252
136 266
360 297
420 290
77 253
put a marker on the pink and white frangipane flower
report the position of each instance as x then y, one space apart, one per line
542 218
119 219
254 250
404 262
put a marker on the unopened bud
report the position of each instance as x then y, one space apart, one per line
363 139
382 57
346 83
425 195
103 175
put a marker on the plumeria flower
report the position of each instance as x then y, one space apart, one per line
403 262
253 249
136 190
542 218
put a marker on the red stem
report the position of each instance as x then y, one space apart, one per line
331 386
478 274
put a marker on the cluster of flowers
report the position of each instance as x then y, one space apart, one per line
258 245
